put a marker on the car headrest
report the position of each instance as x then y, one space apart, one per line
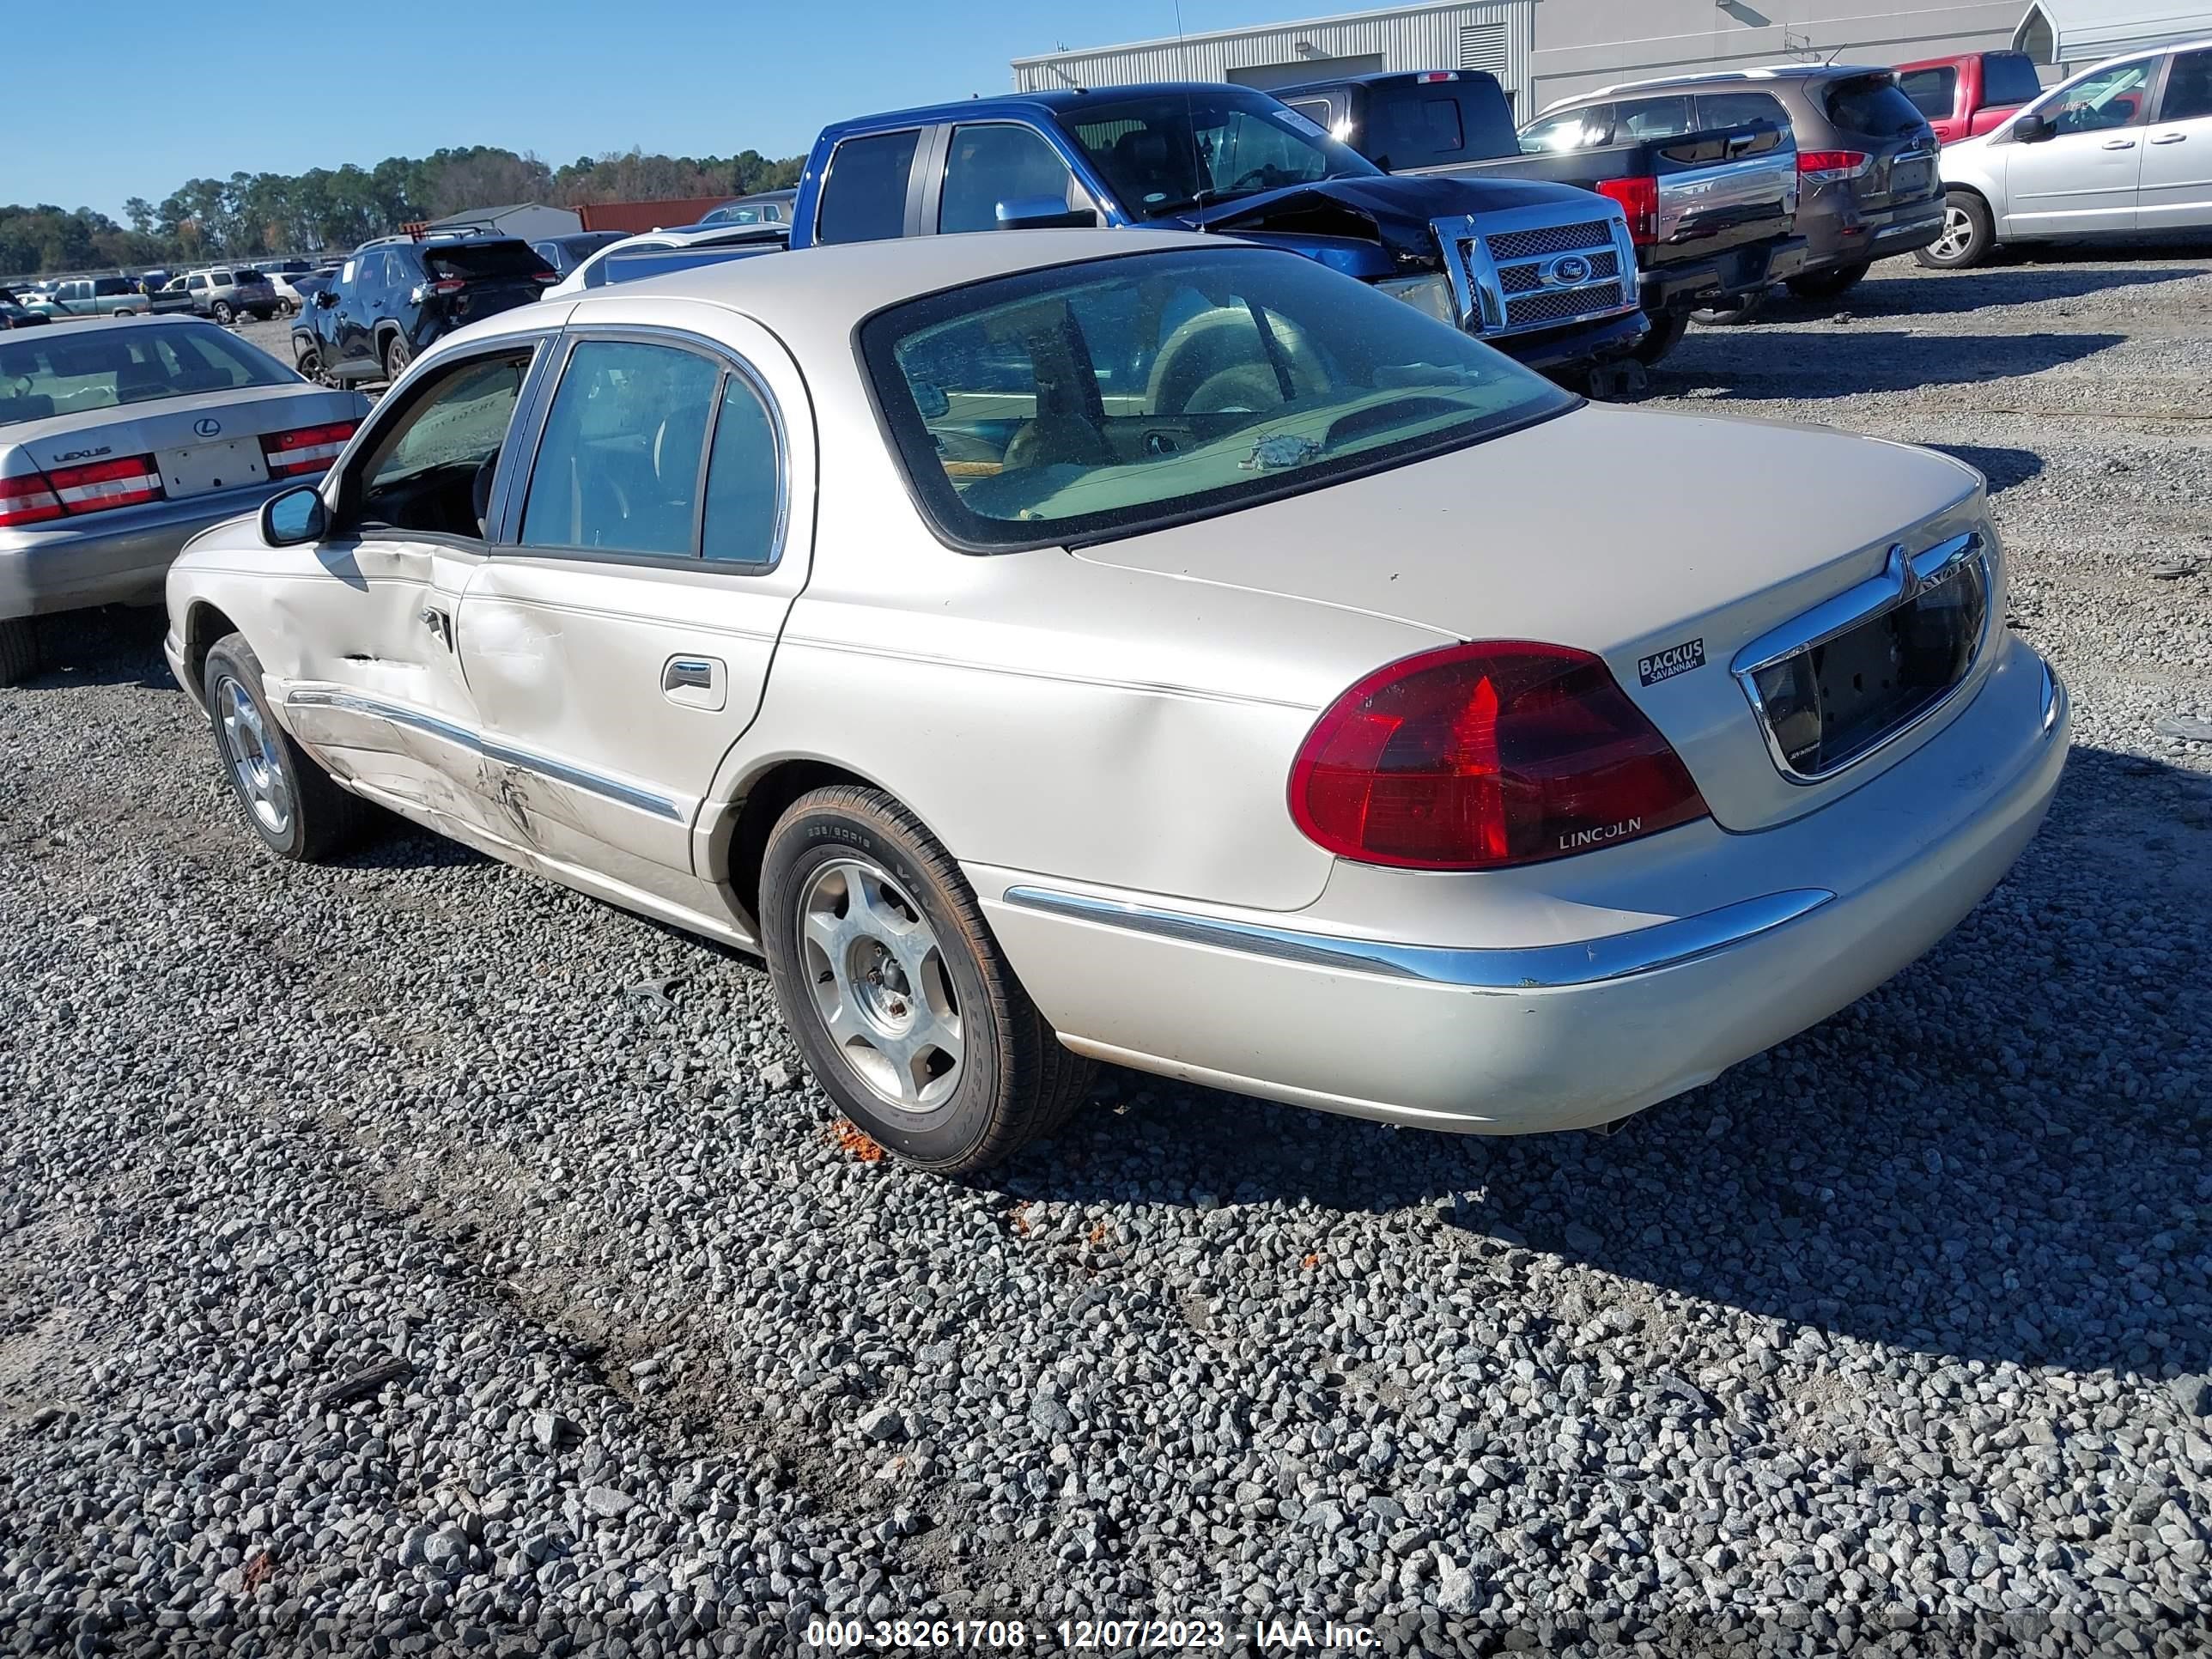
36 407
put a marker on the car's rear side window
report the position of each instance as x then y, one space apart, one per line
1735 109
864 197
1872 104
1656 117
2008 78
745 473
1932 92
618 470
484 260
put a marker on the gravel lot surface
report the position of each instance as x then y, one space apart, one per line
411 1257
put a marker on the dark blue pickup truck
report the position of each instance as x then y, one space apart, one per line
1544 272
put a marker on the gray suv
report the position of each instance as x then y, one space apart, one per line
227 292
1866 156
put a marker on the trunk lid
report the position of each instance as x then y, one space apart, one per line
1666 544
189 459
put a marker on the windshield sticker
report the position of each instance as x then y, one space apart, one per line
1298 122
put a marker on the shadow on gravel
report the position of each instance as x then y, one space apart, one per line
2009 282
118 645
1778 363
2001 1155
2003 468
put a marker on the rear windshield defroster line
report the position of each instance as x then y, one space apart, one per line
1089 402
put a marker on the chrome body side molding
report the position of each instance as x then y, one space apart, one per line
1535 967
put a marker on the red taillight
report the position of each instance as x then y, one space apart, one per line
1825 164
1430 77
305 448
1639 200
103 484
445 285
545 275
27 501
1481 757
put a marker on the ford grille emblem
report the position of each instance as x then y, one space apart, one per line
207 426
1567 271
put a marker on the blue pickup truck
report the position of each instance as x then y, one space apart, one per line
1544 272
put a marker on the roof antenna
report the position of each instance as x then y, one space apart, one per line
1191 111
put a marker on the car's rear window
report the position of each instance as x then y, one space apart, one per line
1115 397
2008 78
65 371
1871 104
479 261
242 274
1932 92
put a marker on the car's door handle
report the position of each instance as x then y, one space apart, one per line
2170 138
695 682
2119 143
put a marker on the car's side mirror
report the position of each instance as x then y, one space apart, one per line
2032 129
296 516
1045 213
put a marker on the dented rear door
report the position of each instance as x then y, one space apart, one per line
620 636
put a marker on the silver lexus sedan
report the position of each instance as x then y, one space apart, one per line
120 439
1051 646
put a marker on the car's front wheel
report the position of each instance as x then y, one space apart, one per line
908 1015
290 804
19 650
1968 234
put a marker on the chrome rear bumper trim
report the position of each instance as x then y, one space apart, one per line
1529 968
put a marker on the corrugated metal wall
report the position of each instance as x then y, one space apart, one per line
1406 37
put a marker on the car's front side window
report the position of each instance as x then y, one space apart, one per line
2110 98
618 467
430 471
1105 398
994 162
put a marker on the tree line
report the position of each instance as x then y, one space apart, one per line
327 208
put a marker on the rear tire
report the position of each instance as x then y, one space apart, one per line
907 1012
397 356
1735 313
1667 329
293 806
1829 285
1969 232
222 312
19 650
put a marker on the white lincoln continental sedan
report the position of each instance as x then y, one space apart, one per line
1183 657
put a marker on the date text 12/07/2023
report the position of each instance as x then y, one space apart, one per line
1292 1635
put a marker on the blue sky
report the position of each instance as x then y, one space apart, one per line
155 94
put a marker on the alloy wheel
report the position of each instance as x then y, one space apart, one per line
1958 234
251 748
880 984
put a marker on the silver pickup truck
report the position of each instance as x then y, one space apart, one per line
1712 213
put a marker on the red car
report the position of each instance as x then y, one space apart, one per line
1969 94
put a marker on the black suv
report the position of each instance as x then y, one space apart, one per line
398 294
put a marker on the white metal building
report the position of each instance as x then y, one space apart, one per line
2080 32
1545 49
